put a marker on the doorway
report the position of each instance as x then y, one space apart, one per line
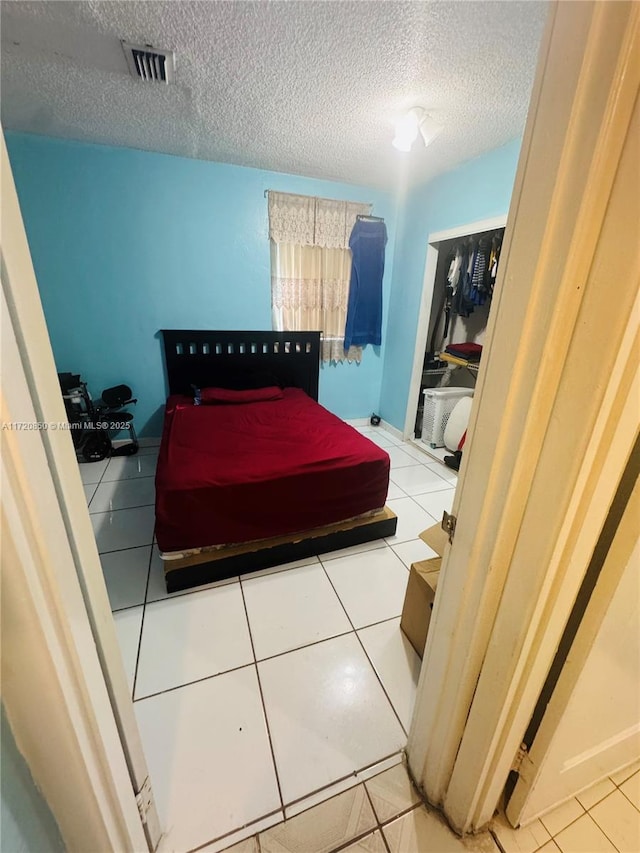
471 791
427 373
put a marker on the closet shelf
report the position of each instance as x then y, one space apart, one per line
473 366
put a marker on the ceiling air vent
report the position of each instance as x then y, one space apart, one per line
148 63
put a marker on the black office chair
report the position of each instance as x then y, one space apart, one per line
110 416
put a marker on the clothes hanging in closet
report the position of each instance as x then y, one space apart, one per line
364 312
472 273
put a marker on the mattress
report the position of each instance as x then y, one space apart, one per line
235 473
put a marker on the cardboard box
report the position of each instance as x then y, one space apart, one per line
418 601
436 538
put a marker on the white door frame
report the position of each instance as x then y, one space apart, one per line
65 679
428 286
553 421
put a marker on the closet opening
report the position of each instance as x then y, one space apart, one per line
460 272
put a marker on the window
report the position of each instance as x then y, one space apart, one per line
311 267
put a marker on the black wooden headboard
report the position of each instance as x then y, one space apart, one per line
210 358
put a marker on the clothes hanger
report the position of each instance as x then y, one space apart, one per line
363 217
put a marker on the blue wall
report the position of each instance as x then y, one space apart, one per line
476 190
125 243
26 824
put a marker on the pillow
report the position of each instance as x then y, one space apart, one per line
220 396
245 379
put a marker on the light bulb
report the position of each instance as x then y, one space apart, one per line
402 143
414 122
406 131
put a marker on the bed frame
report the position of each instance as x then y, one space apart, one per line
205 358
210 358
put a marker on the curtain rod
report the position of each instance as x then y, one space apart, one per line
319 198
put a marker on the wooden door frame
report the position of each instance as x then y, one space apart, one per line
426 300
496 626
63 675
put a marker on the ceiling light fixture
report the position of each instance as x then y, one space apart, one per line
417 120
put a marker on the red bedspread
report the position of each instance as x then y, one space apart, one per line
233 473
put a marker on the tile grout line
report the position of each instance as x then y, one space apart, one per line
181 593
356 839
626 779
428 460
421 804
144 610
623 794
436 491
146 589
337 781
423 509
264 707
601 828
380 621
305 646
571 822
404 813
195 681
93 494
588 812
597 802
117 550
596 823
120 508
498 844
417 539
102 482
377 827
378 824
375 671
339 556
552 837
256 661
95 485
129 479
233 831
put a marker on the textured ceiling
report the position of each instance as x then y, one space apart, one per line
311 88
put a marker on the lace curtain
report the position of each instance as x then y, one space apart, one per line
311 267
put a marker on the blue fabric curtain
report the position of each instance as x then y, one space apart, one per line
364 312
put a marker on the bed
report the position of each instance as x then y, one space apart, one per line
264 474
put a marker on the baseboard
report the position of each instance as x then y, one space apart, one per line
143 442
358 422
393 430
149 441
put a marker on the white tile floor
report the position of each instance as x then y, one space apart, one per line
259 696
602 819
290 691
381 814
